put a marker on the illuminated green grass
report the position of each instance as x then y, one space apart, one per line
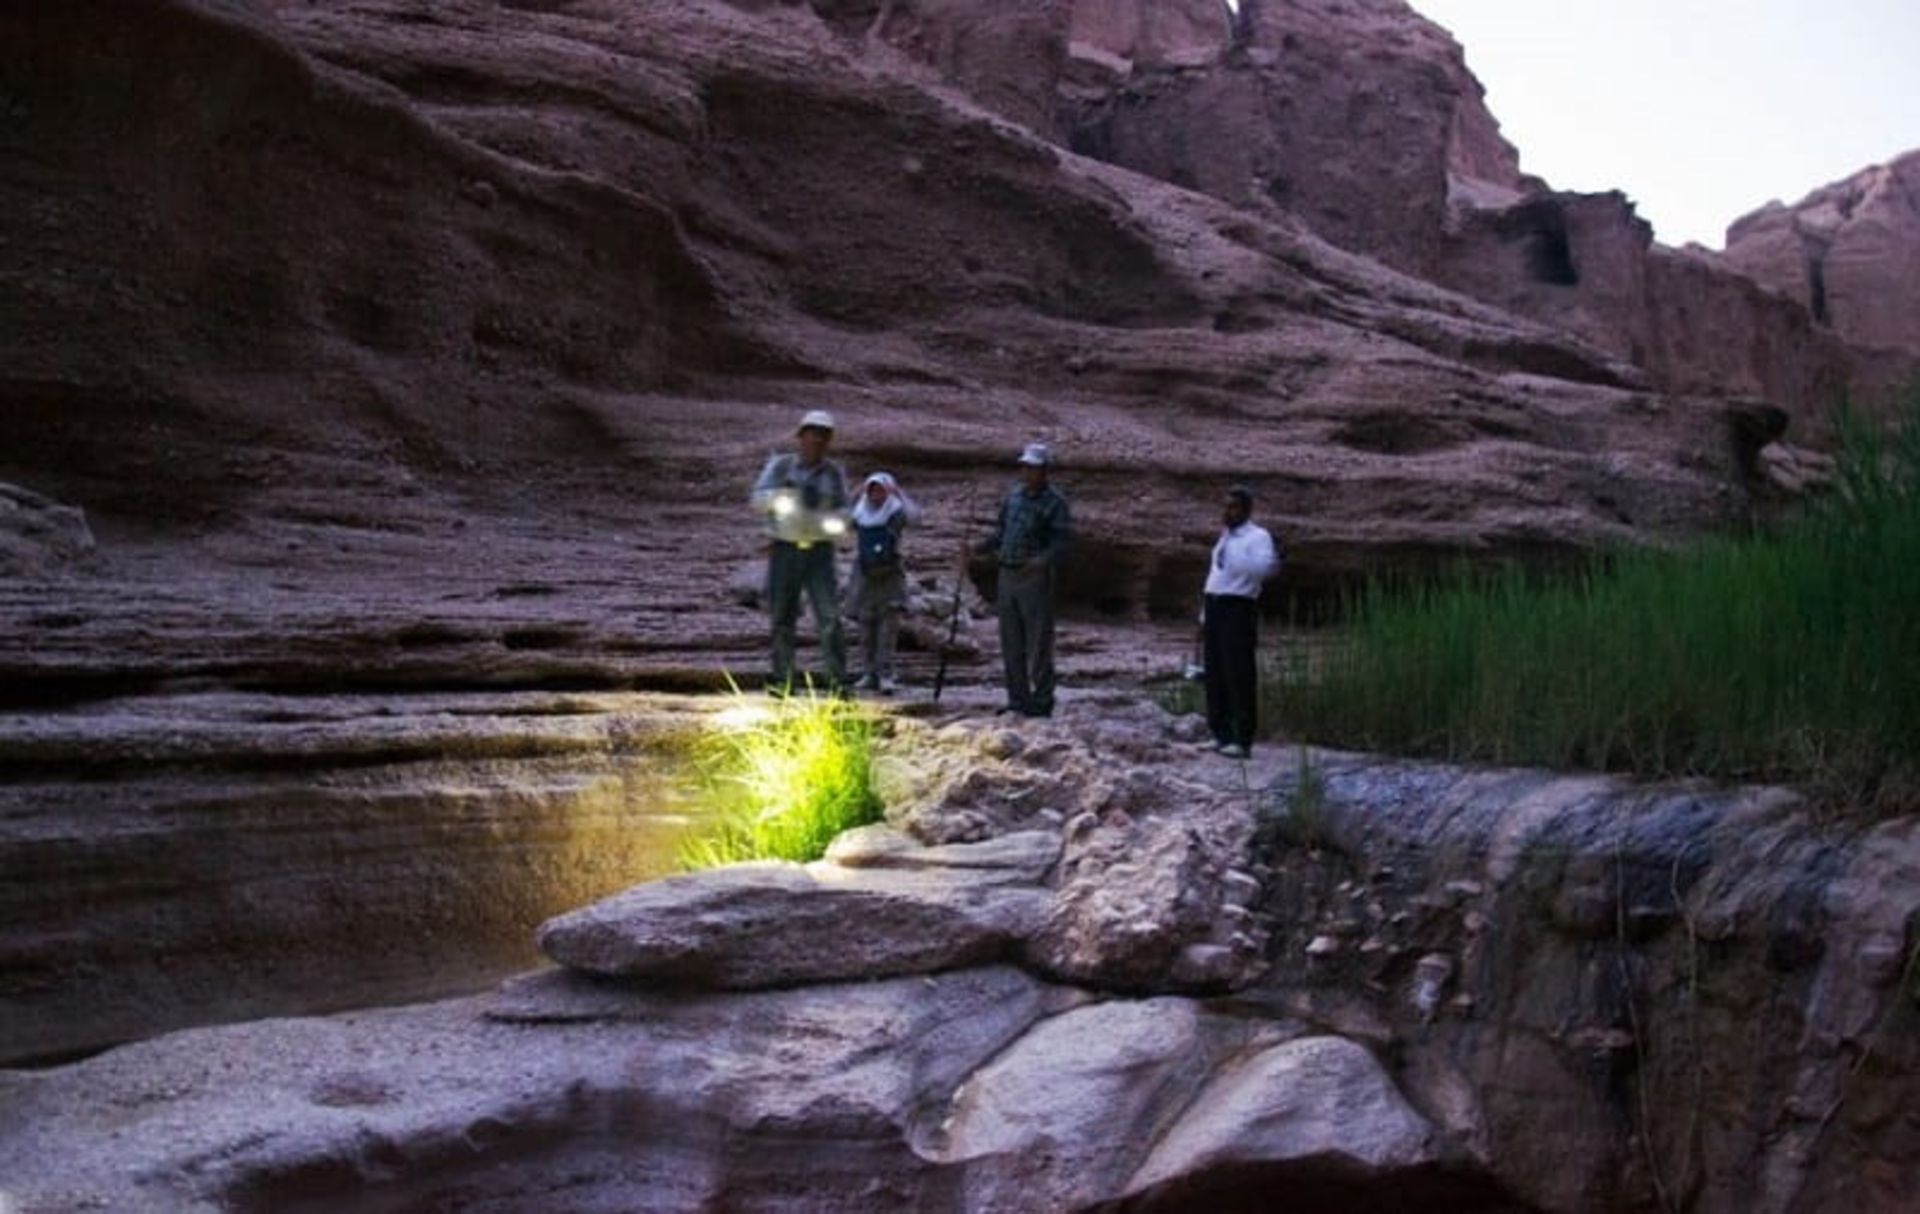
782 777
1791 656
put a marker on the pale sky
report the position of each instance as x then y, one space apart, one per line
1699 110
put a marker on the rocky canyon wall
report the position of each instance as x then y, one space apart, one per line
364 291
1363 121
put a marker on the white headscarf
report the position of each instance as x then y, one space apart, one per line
866 514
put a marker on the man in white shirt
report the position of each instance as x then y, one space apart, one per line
1243 558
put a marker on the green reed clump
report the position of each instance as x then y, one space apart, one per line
781 778
1792 655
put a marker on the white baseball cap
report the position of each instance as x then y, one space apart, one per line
1037 455
817 419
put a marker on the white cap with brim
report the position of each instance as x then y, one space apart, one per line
1036 455
817 419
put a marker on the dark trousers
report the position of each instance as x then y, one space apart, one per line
1025 605
1231 637
791 571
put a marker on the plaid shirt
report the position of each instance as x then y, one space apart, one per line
1031 527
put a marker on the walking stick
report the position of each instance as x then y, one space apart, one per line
1196 667
959 585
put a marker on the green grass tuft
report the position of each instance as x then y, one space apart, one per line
781 777
1790 656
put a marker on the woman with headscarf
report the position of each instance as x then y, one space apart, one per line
879 582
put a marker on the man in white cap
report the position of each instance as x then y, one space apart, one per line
1244 557
803 495
1028 539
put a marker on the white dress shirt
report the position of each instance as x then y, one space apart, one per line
1243 557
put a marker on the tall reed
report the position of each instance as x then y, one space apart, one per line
1792 655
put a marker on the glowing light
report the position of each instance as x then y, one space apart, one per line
833 525
783 778
784 504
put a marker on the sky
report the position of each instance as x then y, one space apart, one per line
1699 110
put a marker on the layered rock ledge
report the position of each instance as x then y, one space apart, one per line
1433 988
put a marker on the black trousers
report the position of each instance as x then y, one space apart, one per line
1231 635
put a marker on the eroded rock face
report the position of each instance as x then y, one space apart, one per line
1651 944
1362 120
1849 253
1352 117
1587 264
639 239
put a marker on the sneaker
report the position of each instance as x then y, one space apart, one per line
867 682
1233 750
886 686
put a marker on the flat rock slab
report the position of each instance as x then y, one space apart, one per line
773 925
